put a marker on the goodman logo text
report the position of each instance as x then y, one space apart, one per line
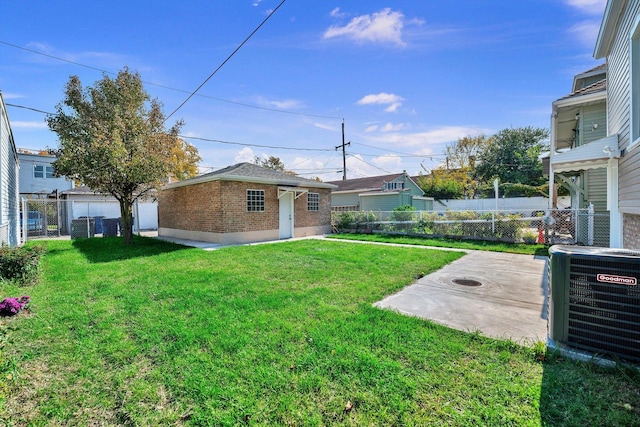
618 280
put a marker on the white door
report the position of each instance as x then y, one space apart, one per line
286 215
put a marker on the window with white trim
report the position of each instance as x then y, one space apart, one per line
255 200
634 72
42 171
394 185
313 201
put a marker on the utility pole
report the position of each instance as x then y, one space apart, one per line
344 154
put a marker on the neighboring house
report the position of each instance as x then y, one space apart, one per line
9 186
379 193
578 158
619 42
244 203
84 202
36 175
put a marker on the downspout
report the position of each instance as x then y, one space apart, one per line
552 149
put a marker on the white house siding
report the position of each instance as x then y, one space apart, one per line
384 201
596 185
30 186
593 114
619 110
9 197
345 199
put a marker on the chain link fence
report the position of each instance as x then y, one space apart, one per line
553 226
47 218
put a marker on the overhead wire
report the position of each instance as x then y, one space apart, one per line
243 104
226 60
254 145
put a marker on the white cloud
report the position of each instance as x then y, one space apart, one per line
371 128
28 125
586 31
388 161
380 27
592 7
391 127
335 13
325 126
7 95
393 101
94 58
435 136
244 155
357 167
256 3
285 104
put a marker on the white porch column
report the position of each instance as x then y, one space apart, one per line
552 149
615 225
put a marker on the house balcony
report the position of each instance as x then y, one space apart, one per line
593 155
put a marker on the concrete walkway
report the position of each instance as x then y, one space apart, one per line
510 302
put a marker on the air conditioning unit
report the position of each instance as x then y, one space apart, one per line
594 302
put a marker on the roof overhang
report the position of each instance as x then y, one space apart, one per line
204 178
380 193
608 27
589 156
579 100
360 190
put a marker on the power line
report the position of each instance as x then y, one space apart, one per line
257 107
254 145
374 166
27 108
400 153
226 60
202 139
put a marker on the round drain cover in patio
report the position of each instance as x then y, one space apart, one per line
466 282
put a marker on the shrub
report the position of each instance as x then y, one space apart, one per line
403 213
21 264
353 220
12 306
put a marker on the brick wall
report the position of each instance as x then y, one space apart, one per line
221 207
194 207
631 231
236 218
306 218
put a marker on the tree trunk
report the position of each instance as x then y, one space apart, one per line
126 220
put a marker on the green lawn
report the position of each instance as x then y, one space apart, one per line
281 334
480 245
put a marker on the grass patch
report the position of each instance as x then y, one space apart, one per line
283 334
480 245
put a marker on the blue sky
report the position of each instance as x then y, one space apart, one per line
407 77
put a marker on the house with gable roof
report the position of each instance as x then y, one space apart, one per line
379 193
244 203
577 159
9 187
619 43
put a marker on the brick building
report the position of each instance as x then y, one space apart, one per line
244 203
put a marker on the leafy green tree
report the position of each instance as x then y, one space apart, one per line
441 184
112 138
460 162
274 163
512 156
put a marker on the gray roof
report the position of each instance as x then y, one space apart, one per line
367 183
249 172
600 86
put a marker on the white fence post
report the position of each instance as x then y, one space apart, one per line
591 212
